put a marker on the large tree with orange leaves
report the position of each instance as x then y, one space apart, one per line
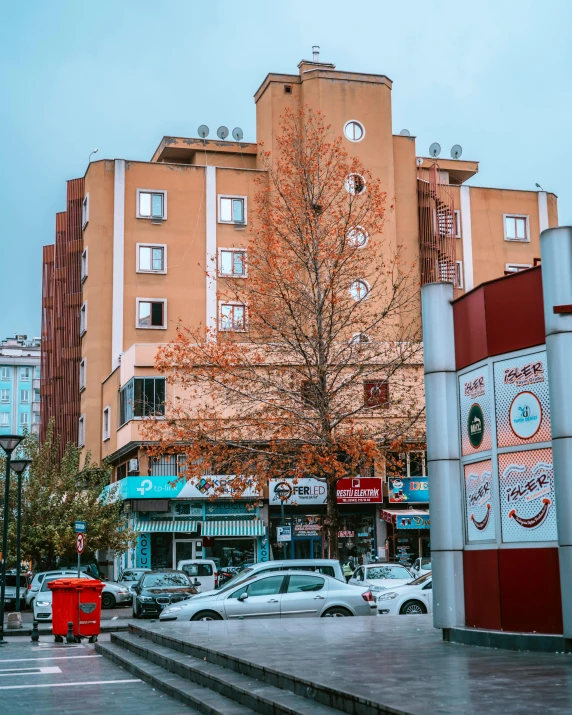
325 373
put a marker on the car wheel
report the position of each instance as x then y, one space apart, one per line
206 616
108 600
412 608
337 612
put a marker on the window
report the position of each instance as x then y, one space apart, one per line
354 131
81 431
457 223
232 209
24 397
232 263
516 267
375 393
516 228
24 374
151 204
359 338
84 264
151 259
85 211
359 290
151 313
5 373
5 396
36 397
357 237
309 393
459 275
82 374
355 184
106 418
4 419
287 89
24 419
416 464
232 317
303 584
142 397
83 319
265 587
36 417
37 371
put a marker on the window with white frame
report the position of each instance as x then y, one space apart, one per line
24 419
355 184
232 262
81 431
24 397
4 419
459 276
84 264
151 258
5 396
517 267
82 375
232 317
357 236
151 204
106 428
83 319
36 395
37 371
232 209
152 313
24 374
457 219
36 417
359 290
85 211
516 227
5 373
354 130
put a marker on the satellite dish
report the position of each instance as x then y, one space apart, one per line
405 133
237 133
203 131
434 150
456 151
419 161
222 132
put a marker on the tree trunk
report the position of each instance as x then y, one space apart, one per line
332 521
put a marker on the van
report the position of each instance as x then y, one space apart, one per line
203 570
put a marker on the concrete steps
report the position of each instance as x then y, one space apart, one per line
204 685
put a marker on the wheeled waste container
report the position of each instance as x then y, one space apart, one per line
76 601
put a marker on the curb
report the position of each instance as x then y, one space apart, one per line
44 630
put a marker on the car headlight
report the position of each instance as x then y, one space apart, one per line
172 609
388 596
43 603
123 590
146 599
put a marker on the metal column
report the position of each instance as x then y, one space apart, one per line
443 455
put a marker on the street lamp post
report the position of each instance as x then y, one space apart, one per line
8 442
19 466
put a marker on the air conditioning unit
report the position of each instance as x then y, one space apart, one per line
133 466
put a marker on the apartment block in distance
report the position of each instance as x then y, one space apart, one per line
146 245
20 385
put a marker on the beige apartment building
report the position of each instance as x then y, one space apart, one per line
155 238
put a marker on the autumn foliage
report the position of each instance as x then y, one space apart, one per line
326 371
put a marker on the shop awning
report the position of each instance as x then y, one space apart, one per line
407 518
178 527
253 527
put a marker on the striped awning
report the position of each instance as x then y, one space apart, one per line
254 527
179 527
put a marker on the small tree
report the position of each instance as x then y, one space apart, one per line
320 369
56 492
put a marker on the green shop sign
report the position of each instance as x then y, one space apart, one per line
476 425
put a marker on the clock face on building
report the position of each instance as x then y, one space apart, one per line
476 425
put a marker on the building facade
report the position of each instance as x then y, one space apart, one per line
145 244
20 385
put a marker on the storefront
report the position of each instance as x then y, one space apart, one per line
408 534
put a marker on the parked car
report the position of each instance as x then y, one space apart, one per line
414 598
203 573
38 579
287 594
421 566
10 591
112 595
159 589
378 577
130 577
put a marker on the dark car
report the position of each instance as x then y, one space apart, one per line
158 589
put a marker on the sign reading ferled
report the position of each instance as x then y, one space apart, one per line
359 491
526 485
475 396
479 501
305 491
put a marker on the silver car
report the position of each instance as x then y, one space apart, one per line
130 578
287 594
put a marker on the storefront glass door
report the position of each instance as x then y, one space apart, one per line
307 548
183 549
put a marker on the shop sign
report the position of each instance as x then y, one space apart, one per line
174 488
525 415
475 398
479 501
143 551
306 490
476 425
345 534
307 526
413 490
359 491
283 533
414 521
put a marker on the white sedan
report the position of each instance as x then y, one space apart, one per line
421 566
379 577
413 599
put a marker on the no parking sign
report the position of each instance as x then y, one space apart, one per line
80 543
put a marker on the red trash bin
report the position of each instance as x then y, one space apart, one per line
76 601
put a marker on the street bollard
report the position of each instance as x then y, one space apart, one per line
35 632
70 638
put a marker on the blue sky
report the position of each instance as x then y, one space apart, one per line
494 77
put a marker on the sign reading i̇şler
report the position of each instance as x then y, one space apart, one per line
475 397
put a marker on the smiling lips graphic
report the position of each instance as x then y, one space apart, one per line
533 521
482 525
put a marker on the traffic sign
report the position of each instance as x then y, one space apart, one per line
80 527
80 543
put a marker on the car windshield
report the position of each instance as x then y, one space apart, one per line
420 579
166 580
426 564
239 576
132 575
387 571
49 579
